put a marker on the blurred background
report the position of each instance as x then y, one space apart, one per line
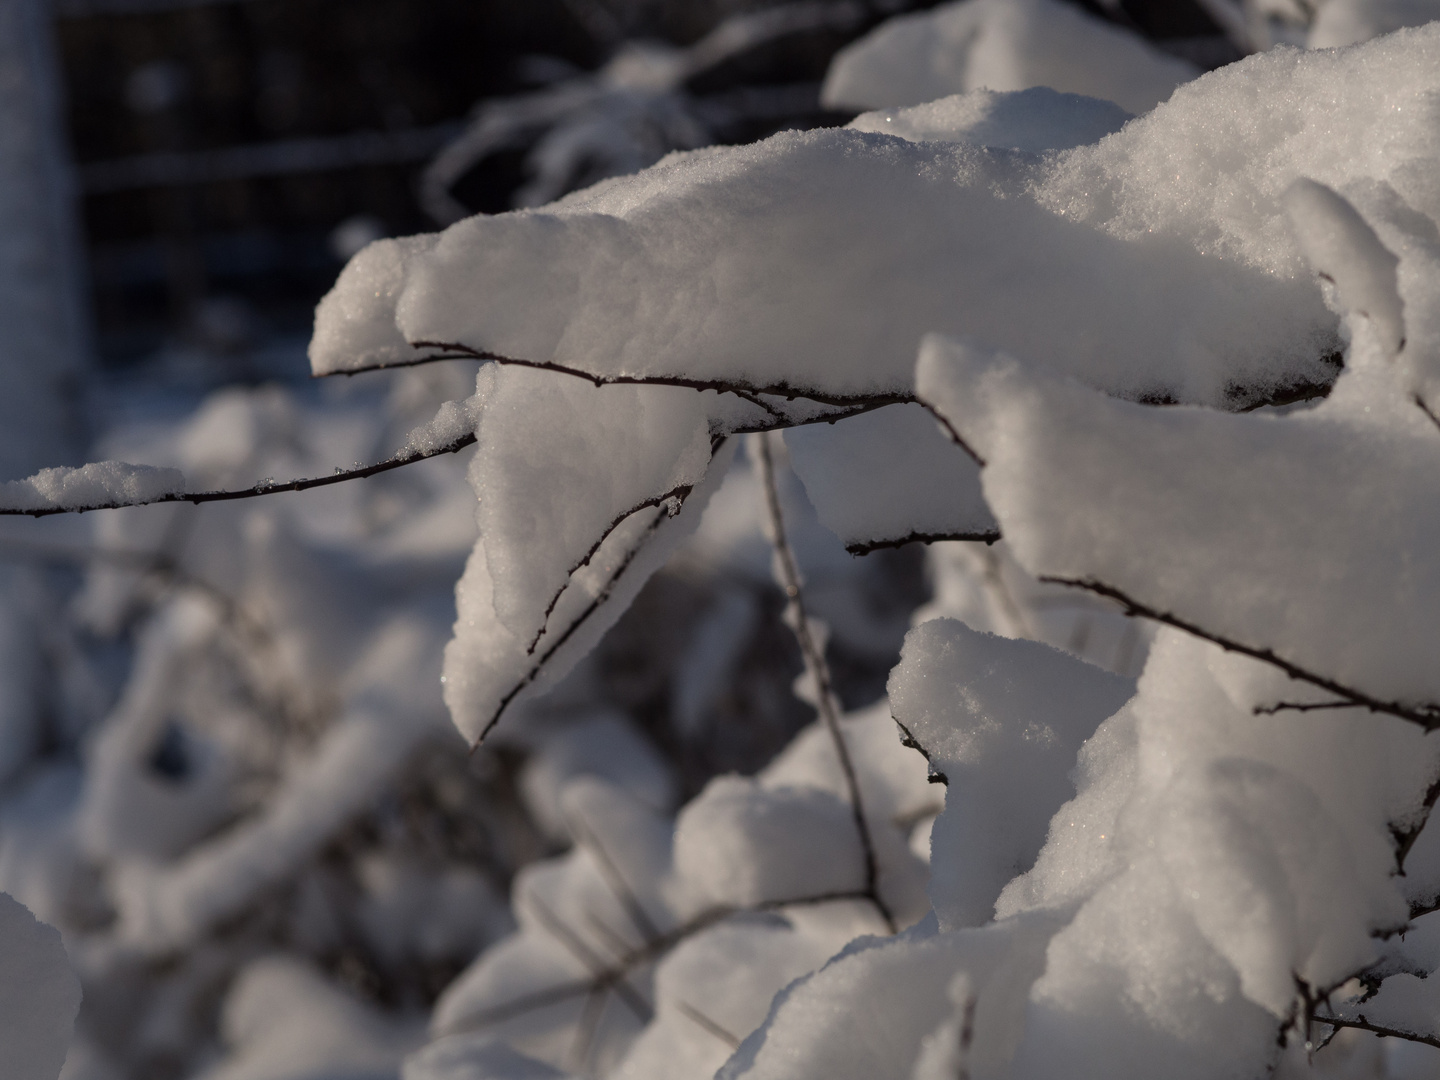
225 771
229 154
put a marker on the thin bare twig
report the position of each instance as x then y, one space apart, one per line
1361 1024
788 572
647 953
1426 715
1300 706
675 498
600 598
616 881
449 350
582 952
989 536
967 1035
1429 413
908 740
265 487
585 1030
692 1013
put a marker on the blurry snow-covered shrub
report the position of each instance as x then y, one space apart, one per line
1001 45
745 76
1221 420
1179 368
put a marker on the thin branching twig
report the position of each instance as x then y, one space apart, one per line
1425 715
788 572
265 487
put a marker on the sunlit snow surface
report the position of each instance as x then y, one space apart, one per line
1221 844
1231 841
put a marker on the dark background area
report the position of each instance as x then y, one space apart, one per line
220 143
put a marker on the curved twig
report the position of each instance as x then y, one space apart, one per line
909 741
989 536
1361 1024
789 573
584 616
1426 716
675 496
449 350
605 977
265 487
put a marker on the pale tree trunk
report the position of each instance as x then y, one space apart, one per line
43 310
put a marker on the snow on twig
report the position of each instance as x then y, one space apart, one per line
116 497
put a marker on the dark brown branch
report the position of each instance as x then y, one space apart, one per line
1300 706
263 488
675 496
617 883
582 952
691 1013
1405 837
580 620
1426 716
967 1035
1361 1024
455 351
950 430
867 546
814 656
1429 413
1275 396
909 740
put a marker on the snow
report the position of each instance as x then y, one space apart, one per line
1158 262
1001 45
636 876
39 995
984 587
723 968
171 906
487 667
1349 22
893 783
1315 543
287 1022
1126 878
887 475
596 454
98 484
453 421
1002 720
475 1057
740 845
830 1024
1209 167
357 307
604 744
1033 120
1345 250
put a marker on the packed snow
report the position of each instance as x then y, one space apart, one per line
888 475
1314 552
1033 120
99 484
1002 721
